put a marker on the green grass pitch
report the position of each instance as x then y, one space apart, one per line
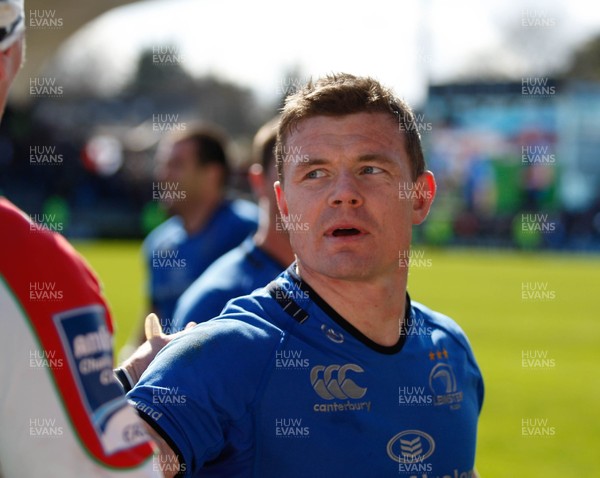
541 420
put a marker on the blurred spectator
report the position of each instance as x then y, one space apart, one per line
256 261
192 176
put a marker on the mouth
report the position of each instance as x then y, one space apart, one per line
345 231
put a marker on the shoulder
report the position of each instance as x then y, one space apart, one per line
237 273
233 271
252 324
11 214
231 351
32 246
442 323
242 324
230 225
208 294
241 209
170 230
170 226
221 275
228 263
25 232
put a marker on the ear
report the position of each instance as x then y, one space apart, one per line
257 180
424 193
281 201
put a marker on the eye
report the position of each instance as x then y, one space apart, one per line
315 173
371 170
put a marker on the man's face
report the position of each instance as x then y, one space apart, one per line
181 176
344 187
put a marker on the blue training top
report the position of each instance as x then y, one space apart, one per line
282 386
239 272
175 259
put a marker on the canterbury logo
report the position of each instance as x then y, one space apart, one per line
332 382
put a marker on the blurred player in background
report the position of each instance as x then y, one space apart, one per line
193 173
61 411
331 370
255 262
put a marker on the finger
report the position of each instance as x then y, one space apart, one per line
152 326
189 325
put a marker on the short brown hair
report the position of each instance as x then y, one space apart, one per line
263 146
211 145
344 94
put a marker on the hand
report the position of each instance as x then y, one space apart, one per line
145 353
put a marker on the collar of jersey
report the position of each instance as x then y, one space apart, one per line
347 326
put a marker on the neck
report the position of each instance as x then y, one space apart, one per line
196 217
273 242
374 307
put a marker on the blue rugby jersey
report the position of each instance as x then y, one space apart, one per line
239 272
282 386
175 259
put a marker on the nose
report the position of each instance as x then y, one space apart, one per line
345 190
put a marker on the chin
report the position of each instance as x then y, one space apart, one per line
346 268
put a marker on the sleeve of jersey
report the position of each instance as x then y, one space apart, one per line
459 335
203 385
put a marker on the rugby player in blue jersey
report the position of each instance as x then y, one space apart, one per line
330 370
193 177
257 260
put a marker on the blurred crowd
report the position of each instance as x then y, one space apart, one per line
514 170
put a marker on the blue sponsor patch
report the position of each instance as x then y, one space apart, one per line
87 343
